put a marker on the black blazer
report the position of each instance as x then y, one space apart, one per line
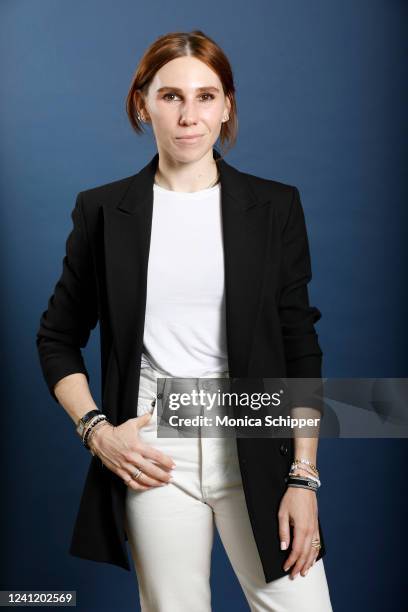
270 331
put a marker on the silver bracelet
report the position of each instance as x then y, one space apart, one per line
90 426
91 433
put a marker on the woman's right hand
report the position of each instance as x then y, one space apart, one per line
122 451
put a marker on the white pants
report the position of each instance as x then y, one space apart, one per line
170 529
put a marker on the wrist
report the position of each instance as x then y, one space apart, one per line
97 433
303 474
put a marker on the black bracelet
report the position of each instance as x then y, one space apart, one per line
305 483
96 420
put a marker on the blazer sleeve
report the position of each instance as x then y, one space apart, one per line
297 317
72 310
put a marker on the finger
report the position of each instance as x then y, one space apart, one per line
125 476
142 420
284 530
149 451
299 534
145 477
309 562
132 484
311 557
316 551
150 469
141 482
300 564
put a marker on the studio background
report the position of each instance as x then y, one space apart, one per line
321 100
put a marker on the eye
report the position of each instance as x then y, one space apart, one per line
209 94
168 94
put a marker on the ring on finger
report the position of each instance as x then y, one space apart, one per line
136 474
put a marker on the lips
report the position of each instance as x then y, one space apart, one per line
192 137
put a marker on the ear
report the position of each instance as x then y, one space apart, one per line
228 103
140 104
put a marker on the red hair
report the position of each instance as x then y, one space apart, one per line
179 44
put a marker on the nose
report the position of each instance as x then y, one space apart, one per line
188 113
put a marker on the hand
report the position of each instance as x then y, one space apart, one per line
298 508
121 450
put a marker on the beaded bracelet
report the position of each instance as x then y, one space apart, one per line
95 428
91 425
91 422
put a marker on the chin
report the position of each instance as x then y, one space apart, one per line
188 156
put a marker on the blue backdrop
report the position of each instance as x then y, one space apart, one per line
321 106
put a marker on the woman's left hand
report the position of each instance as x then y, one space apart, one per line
298 507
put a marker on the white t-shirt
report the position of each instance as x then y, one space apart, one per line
185 327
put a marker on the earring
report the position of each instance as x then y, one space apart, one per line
140 117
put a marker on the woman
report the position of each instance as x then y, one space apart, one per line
193 269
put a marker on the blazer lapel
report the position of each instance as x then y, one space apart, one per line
127 232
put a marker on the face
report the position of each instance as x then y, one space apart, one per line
185 98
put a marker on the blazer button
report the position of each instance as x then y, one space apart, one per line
283 449
159 395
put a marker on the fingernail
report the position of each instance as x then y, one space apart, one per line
283 545
285 569
295 576
305 573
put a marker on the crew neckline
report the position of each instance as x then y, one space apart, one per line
186 194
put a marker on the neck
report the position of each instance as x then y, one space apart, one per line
186 176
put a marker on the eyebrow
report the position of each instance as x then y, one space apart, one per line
181 91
